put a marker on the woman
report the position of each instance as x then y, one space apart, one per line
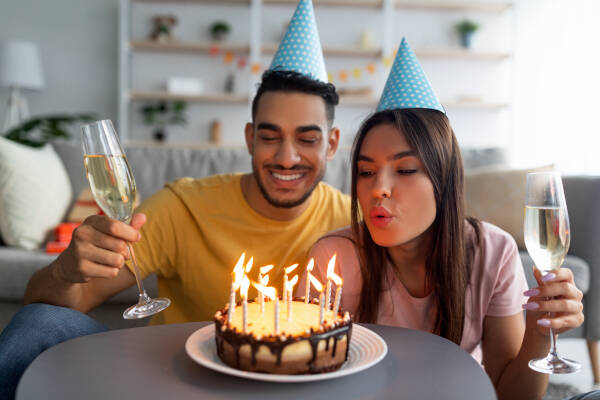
417 261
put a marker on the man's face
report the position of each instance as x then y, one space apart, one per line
290 143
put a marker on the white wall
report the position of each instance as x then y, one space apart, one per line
78 42
78 45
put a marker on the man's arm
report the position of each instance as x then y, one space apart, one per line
91 269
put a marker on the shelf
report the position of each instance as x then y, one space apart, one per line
333 51
473 105
194 1
187 47
460 54
333 3
489 7
203 98
205 47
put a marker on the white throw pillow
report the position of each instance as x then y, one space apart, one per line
35 193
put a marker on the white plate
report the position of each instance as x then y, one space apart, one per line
366 349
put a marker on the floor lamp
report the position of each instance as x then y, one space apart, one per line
20 68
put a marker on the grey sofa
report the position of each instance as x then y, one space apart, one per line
154 166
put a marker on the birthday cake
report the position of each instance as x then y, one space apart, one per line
302 345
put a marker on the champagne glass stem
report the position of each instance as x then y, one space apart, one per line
553 338
143 299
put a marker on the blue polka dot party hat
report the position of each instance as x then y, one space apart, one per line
407 86
300 49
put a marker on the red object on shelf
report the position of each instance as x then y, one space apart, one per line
62 237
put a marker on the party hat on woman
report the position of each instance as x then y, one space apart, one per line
407 86
300 49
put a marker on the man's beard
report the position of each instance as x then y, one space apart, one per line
287 203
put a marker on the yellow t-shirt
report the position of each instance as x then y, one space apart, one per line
197 229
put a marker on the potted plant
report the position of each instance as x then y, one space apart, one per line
37 131
162 114
219 30
465 29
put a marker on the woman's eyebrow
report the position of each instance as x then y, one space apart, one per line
362 157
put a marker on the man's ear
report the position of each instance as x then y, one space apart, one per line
249 134
333 142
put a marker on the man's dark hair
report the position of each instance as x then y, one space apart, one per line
292 81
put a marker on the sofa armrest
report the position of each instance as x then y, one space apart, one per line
583 202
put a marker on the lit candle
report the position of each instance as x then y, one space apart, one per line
236 281
322 310
244 293
276 313
290 288
338 296
287 271
261 280
309 268
271 293
315 282
330 267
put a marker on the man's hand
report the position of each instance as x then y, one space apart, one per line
98 249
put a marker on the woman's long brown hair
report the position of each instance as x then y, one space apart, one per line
429 134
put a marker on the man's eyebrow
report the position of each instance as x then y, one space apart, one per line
308 128
396 156
268 126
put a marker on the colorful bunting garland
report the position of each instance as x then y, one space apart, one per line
342 76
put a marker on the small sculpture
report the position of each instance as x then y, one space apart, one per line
163 26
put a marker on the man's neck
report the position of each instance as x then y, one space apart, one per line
257 201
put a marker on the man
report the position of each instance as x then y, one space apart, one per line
192 232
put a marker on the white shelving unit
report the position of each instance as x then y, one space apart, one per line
144 64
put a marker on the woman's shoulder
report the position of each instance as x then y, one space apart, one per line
492 236
340 241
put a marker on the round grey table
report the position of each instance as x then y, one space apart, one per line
151 363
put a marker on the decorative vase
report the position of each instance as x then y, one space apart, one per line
466 39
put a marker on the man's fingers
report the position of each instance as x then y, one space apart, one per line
91 269
113 227
138 220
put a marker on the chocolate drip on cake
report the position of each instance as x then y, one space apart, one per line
336 331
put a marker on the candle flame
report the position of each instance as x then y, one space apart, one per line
331 266
249 264
244 287
238 272
310 265
336 279
268 291
265 280
316 283
266 268
291 283
290 268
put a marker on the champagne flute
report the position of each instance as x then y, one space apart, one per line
113 187
547 238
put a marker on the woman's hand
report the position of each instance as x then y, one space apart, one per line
555 294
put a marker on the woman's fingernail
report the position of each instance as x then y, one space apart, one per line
531 306
544 322
531 292
548 277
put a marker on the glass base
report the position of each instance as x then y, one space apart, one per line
553 364
146 308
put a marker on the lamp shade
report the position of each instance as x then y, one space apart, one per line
20 65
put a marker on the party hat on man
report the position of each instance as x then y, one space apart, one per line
300 49
407 86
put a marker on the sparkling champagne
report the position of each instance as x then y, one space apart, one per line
546 236
112 184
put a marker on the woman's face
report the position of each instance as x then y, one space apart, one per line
395 193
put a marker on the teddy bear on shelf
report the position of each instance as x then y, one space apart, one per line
163 25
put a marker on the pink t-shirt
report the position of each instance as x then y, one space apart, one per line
496 286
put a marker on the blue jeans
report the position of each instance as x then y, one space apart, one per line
594 395
35 328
